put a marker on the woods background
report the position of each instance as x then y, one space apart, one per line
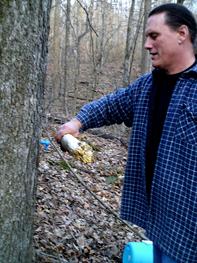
94 47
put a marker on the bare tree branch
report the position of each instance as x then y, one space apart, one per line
87 17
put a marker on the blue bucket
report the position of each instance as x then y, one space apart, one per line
138 252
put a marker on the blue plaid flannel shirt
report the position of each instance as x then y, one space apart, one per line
170 219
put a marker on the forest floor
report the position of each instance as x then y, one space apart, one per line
71 226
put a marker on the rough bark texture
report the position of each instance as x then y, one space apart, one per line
23 48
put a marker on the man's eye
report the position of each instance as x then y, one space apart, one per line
154 36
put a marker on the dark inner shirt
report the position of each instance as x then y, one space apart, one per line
161 93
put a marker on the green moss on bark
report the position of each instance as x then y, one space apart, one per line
4 5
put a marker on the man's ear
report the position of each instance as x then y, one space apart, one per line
183 33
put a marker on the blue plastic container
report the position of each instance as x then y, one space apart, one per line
138 252
45 143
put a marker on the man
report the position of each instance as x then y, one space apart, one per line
160 185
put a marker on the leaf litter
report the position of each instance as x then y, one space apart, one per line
70 224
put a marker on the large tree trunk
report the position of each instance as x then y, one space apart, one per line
23 39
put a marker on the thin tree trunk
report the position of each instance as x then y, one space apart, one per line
66 56
79 37
145 57
55 49
129 44
137 31
23 49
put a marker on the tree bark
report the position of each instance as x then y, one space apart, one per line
23 49
135 39
129 45
54 80
145 57
66 56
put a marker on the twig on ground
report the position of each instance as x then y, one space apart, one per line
56 259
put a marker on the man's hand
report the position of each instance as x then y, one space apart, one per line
71 127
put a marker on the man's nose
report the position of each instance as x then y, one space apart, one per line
147 44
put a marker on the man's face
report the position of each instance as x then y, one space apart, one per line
162 43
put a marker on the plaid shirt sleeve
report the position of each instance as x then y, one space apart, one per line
114 108
110 109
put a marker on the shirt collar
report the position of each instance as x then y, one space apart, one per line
190 72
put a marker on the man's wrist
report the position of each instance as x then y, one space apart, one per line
77 123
